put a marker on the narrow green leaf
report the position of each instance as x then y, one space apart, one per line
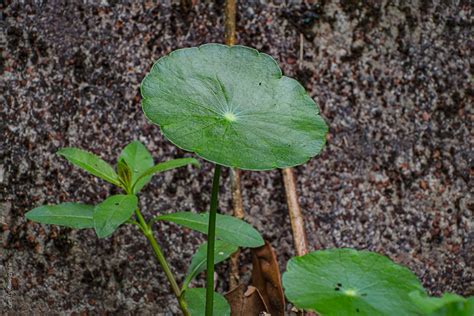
228 228
165 166
196 301
113 212
446 305
72 215
222 251
350 282
139 159
91 163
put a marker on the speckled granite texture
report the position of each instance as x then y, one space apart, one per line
392 79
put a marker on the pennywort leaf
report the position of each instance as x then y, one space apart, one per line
222 251
232 106
350 282
228 228
447 305
165 166
91 163
113 212
196 302
138 159
72 215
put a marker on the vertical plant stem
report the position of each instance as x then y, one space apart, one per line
146 230
211 234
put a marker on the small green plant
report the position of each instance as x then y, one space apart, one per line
135 168
233 107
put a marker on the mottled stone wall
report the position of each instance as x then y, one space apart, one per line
392 79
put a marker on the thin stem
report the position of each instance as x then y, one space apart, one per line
229 22
211 234
296 217
238 210
162 260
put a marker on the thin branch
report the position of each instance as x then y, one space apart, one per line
238 210
146 230
229 23
300 64
296 218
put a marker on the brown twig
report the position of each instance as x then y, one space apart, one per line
238 210
300 64
296 218
229 22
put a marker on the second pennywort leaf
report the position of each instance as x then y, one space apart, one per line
350 282
446 305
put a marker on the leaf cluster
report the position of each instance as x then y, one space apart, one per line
135 168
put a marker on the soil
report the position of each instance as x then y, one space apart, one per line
392 79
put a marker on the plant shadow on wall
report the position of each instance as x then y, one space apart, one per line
233 107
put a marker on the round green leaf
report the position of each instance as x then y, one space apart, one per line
447 305
232 106
350 282
196 301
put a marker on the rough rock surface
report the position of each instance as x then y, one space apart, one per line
392 79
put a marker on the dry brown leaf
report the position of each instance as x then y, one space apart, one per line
267 279
247 302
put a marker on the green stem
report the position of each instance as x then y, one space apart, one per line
162 260
211 234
